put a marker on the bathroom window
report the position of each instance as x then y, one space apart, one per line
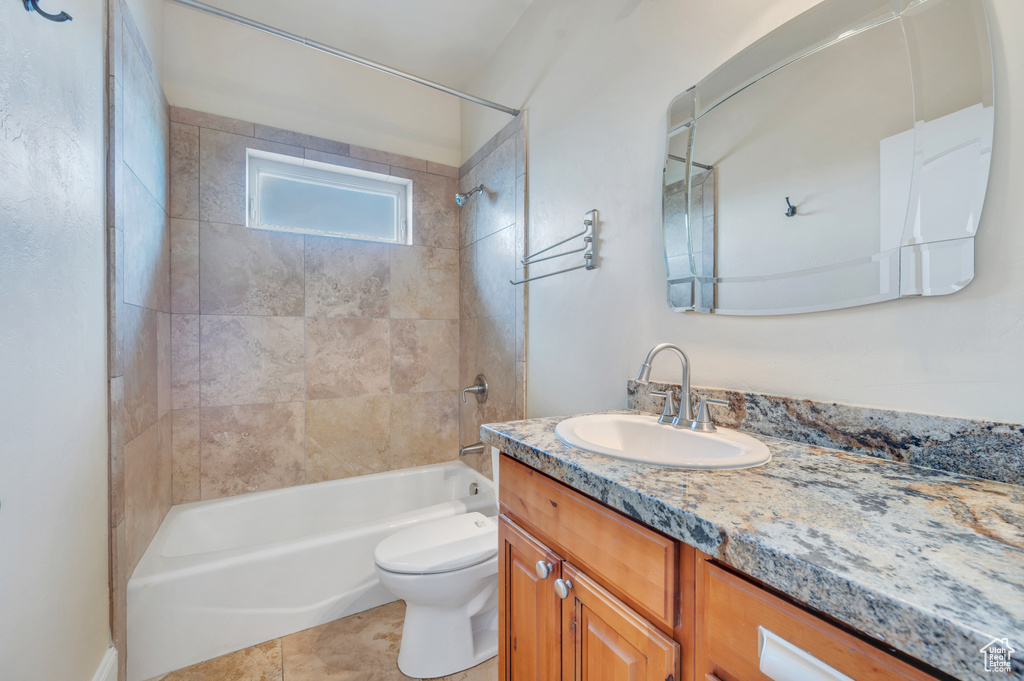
290 194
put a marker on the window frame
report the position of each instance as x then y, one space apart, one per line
294 168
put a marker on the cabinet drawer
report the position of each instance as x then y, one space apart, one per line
730 610
605 544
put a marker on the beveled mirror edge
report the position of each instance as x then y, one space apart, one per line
685 110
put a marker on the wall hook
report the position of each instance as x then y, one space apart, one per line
33 5
792 209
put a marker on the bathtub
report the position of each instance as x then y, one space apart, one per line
225 574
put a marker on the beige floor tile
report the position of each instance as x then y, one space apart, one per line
362 647
258 663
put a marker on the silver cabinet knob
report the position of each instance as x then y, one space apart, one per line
562 587
543 569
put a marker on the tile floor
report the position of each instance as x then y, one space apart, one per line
361 647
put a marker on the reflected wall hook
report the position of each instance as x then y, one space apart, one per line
33 5
792 209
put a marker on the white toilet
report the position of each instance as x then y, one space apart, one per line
446 571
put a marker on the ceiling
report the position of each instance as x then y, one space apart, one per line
443 40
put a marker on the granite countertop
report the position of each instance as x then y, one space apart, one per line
930 562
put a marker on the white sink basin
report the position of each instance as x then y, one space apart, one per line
641 438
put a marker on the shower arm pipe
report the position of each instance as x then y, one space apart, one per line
238 19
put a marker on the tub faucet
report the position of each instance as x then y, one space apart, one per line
683 419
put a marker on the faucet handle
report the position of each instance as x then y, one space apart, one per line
669 412
703 423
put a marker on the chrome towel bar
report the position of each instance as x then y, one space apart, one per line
589 235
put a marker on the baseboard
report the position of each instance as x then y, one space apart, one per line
107 670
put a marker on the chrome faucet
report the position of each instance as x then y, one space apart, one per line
684 418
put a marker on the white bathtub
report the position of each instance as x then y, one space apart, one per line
225 574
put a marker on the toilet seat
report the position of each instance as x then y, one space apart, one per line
439 546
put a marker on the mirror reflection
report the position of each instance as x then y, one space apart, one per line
851 171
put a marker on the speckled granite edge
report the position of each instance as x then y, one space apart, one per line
983 449
922 630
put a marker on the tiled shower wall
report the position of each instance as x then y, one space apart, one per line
139 306
493 311
300 359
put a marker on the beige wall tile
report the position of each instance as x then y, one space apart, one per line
495 208
520 224
347 162
424 355
116 450
147 242
469 295
115 143
468 213
435 213
222 173
346 278
424 283
493 268
424 429
298 139
442 169
249 271
145 138
521 155
250 360
141 389
346 437
147 482
475 415
387 158
520 403
185 468
212 121
184 164
184 266
163 364
115 302
251 448
258 663
496 356
347 357
184 361
467 352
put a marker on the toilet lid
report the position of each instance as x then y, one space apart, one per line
441 545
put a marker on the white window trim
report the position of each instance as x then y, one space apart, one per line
258 162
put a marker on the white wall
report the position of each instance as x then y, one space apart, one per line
219 67
597 77
54 606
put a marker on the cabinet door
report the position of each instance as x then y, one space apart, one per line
530 640
604 640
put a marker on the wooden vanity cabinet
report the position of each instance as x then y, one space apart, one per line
730 610
584 632
632 604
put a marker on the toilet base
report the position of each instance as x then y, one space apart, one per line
437 642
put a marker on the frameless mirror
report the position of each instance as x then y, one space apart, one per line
839 161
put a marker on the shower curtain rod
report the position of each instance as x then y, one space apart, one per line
202 7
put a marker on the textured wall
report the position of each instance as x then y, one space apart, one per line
53 462
295 358
493 311
597 127
139 286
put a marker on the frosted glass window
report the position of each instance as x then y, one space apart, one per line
308 197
